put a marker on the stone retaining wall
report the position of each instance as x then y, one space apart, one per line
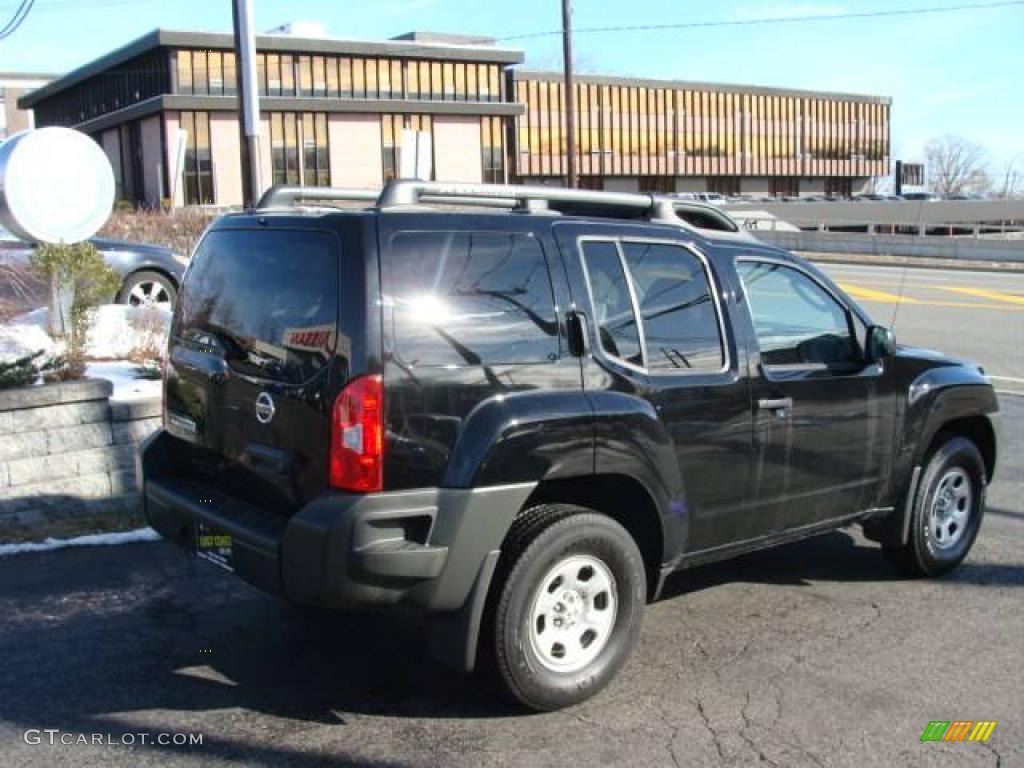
67 451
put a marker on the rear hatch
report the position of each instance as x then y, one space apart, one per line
255 362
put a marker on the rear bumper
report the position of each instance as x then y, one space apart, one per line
427 548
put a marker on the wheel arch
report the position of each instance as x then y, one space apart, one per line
980 431
622 498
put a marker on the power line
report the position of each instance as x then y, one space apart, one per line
765 21
16 21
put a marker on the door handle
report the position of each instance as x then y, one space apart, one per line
576 325
775 404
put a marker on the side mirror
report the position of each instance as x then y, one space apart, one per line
881 343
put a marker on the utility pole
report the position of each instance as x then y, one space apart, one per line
570 96
248 100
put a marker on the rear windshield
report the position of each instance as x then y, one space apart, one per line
267 300
469 298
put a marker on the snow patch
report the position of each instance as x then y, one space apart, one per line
91 540
21 339
117 331
123 374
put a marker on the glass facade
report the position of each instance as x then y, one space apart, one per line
492 149
651 130
299 149
339 77
197 176
134 81
391 128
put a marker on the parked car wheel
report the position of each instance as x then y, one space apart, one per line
569 605
147 288
947 511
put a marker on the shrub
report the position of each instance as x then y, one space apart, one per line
80 269
25 370
178 230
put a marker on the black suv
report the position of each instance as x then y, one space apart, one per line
521 421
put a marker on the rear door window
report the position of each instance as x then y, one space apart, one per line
680 322
614 315
469 298
267 300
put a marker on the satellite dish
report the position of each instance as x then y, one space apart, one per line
56 185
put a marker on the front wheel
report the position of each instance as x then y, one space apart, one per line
947 511
570 607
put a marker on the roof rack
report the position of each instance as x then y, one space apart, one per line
282 196
404 193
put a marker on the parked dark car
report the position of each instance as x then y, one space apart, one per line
920 196
520 423
151 273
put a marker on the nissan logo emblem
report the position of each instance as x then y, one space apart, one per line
264 408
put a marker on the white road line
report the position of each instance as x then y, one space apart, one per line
1007 378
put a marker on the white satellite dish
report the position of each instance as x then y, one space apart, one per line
56 185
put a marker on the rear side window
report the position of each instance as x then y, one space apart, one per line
266 300
469 298
680 322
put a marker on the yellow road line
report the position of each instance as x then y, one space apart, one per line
870 294
981 293
882 297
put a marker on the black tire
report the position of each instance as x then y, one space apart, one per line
150 282
576 538
925 554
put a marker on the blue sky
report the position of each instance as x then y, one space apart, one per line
947 73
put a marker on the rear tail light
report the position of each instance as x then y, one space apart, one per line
357 436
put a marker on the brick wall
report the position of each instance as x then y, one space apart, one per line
66 450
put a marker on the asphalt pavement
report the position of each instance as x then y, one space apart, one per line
813 654
978 316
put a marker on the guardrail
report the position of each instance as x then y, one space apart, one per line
914 246
924 214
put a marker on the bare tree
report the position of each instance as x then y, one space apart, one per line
955 165
1011 182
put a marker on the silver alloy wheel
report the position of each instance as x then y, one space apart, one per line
573 613
951 508
149 293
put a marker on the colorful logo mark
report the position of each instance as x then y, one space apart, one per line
958 730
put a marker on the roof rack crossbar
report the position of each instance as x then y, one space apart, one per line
282 196
406 192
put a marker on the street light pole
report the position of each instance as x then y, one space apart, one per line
248 100
570 96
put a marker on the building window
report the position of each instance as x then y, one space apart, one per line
184 64
492 148
197 177
784 186
724 185
299 149
392 127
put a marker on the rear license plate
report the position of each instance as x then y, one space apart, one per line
215 546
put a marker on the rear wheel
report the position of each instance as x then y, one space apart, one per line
147 288
569 605
947 511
